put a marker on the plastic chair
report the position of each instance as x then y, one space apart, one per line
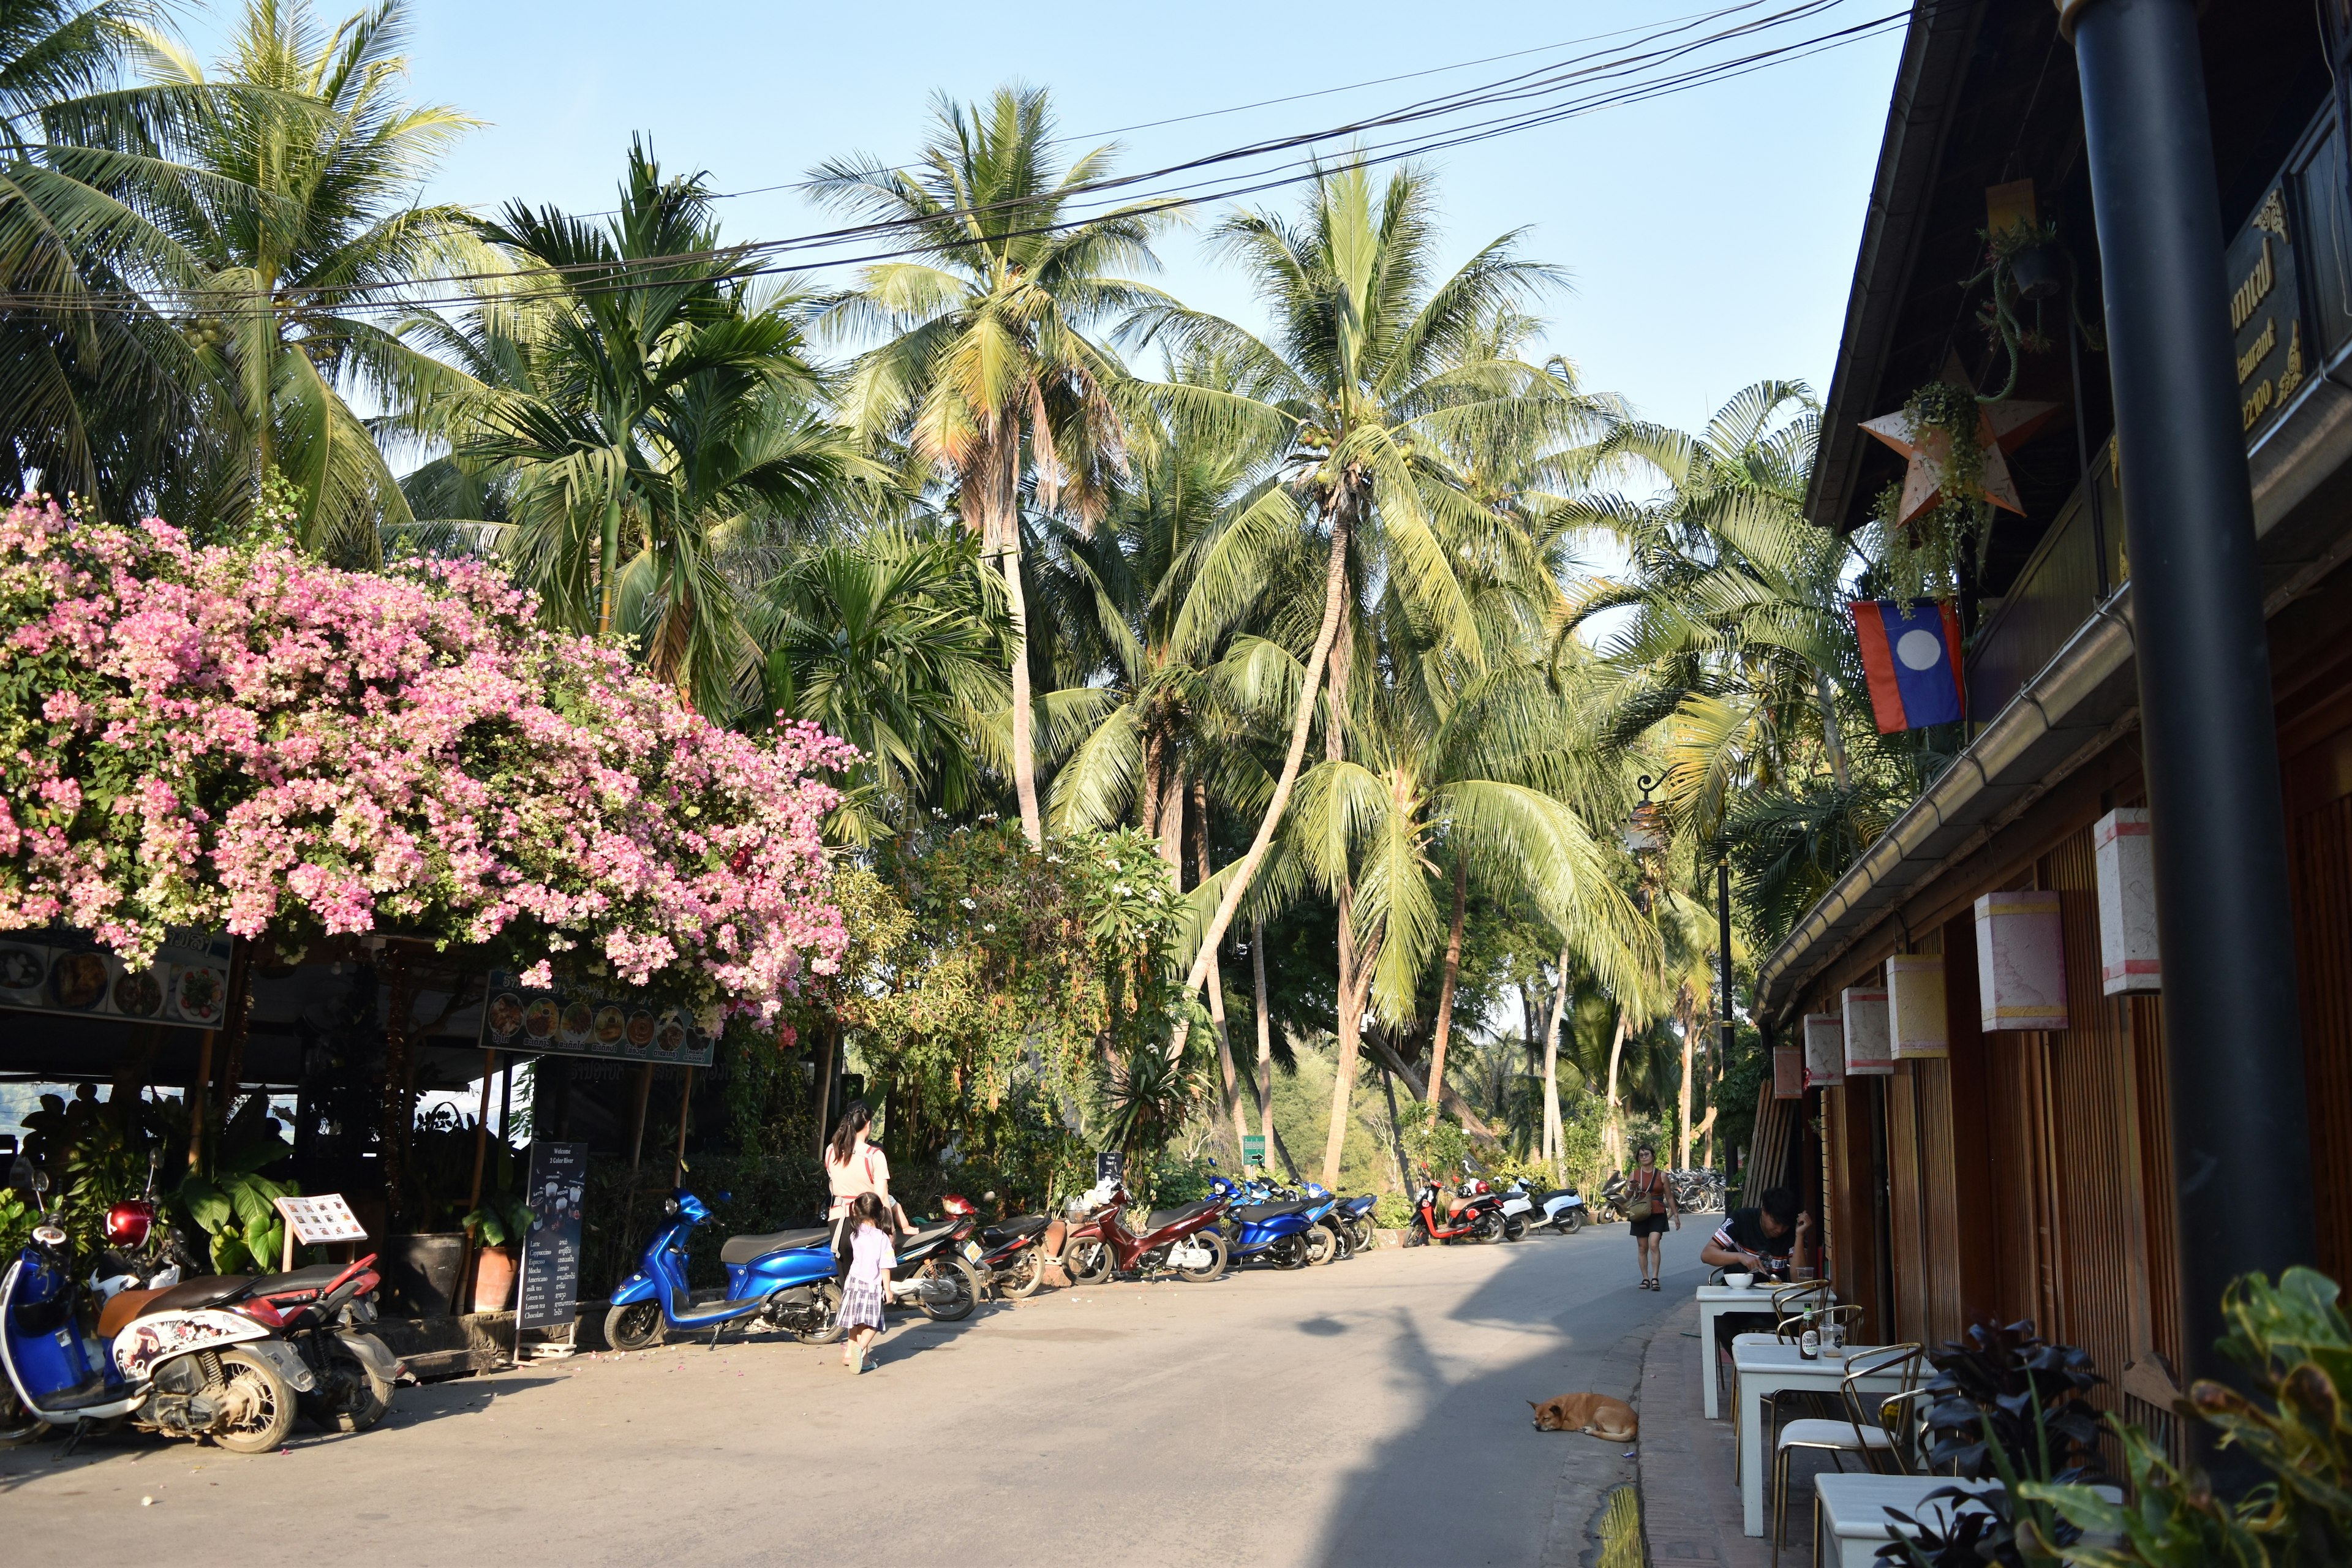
1861 1432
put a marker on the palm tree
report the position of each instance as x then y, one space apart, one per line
631 409
986 370
893 641
302 211
1370 375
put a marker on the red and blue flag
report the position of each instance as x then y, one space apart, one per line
1910 650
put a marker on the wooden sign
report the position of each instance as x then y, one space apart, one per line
1915 1008
1869 1050
2125 859
1825 1049
315 1222
2021 962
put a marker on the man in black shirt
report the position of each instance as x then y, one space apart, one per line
1770 1238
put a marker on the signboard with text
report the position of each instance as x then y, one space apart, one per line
548 1296
1110 1165
580 1021
1253 1148
58 970
2266 313
317 1221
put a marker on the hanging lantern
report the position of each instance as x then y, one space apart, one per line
1645 830
2128 960
2021 962
1825 1049
1788 1073
1915 1008
1868 1051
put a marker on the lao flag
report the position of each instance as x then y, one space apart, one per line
1910 650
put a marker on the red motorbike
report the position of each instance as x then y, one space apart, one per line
1101 1244
1480 1219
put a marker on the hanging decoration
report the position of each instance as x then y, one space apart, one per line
1788 1073
2021 962
2124 856
1915 1008
1869 1051
1911 654
1824 1050
1957 445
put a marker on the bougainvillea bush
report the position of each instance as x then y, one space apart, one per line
241 737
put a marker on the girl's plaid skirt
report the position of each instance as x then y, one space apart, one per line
861 1305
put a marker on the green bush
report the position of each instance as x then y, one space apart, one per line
1391 1212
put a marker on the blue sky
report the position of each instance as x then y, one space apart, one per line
1710 236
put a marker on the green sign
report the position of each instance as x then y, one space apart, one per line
1253 1148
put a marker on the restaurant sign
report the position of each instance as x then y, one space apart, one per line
587 1021
58 970
2266 313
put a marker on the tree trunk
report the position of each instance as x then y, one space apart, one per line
1616 1144
1148 792
1025 761
1453 1101
1265 1034
1453 968
1351 1014
1359 966
1690 1041
991 499
1216 981
1553 1152
1335 594
1832 737
1396 1135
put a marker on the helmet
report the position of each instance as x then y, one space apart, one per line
950 1203
127 1222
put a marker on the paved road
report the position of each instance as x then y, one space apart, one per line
1370 1411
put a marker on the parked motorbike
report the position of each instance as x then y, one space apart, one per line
1013 1255
1479 1219
193 1359
1181 1239
1285 1233
1558 1207
325 1311
1355 1217
784 1278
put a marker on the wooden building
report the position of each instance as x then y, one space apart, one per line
2028 1173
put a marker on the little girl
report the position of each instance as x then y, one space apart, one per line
870 1262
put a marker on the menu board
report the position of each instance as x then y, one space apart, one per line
550 1293
321 1219
578 1021
58 970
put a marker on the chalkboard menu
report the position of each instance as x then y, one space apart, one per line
1110 1165
549 1294
580 1021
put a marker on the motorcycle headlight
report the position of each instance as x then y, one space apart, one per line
669 1207
49 1235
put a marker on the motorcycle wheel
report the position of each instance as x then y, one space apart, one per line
1322 1246
257 1405
1487 1228
1019 1280
1570 1223
1208 1271
18 1426
350 1397
828 1329
1418 1236
1290 1252
1514 1228
636 1327
1088 1260
958 1307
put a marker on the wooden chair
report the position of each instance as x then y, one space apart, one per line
1862 1431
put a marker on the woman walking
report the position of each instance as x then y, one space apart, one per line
870 1262
854 1168
1649 1203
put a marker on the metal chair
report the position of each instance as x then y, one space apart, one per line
1861 1432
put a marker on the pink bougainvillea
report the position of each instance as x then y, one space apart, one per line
247 738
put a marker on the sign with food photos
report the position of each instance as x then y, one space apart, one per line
317 1221
581 1021
56 970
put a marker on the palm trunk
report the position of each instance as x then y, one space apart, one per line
1024 759
1265 1034
608 565
1451 1100
1690 1041
1453 968
1351 1045
1396 1134
1616 1144
1148 792
1335 593
1351 1016
1832 737
1552 1149
1216 983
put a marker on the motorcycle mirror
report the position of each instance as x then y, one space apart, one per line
41 1183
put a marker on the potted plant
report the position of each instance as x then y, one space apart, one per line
496 1228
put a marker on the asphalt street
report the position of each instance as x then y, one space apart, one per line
1374 1411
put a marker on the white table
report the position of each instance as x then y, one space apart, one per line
1775 1368
1714 1301
1854 1523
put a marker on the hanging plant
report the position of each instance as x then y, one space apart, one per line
1921 557
2023 264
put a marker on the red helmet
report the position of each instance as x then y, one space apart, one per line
127 1222
950 1203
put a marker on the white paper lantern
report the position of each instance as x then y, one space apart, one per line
1788 1073
2128 959
1915 1008
1869 1051
1825 1049
2021 962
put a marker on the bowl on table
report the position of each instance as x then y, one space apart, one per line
1739 1282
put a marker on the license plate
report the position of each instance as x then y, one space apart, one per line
972 1251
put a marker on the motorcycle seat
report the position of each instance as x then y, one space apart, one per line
213 1291
1160 1219
1257 1214
744 1249
1543 1198
315 1278
923 1235
1014 1229
120 1307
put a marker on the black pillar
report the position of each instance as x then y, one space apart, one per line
1722 952
2232 1035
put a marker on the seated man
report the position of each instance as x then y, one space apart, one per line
1770 1238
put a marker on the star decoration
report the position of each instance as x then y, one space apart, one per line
2001 428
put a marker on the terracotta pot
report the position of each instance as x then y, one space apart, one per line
494 1279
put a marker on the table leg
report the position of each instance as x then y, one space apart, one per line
1710 1364
1751 1456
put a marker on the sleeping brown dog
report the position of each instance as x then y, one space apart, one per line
1613 1419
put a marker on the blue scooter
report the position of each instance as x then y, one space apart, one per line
1284 1233
785 1278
